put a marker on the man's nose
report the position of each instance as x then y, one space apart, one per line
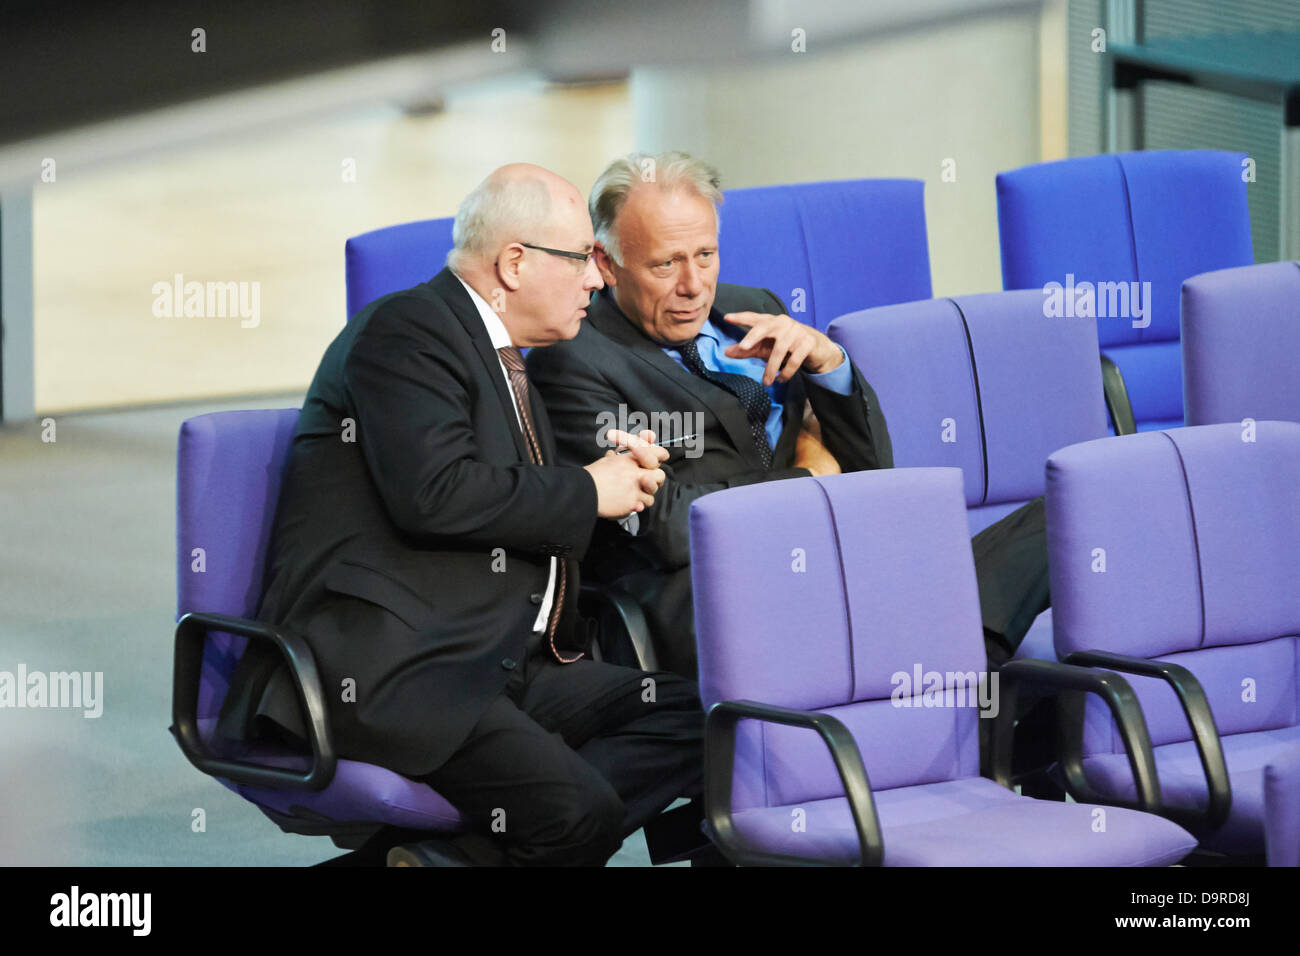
690 281
591 276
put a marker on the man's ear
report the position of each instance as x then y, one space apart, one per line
605 264
509 265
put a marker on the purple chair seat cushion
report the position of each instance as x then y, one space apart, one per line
1182 782
1282 809
972 822
364 792
359 792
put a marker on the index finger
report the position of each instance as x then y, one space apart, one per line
760 326
744 318
622 439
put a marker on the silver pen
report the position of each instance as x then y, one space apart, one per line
663 444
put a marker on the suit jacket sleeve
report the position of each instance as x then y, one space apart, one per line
576 396
853 427
409 387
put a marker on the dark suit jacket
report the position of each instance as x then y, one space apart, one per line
412 557
611 362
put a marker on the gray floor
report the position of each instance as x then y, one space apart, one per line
87 583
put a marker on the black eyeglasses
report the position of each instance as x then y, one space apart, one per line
580 256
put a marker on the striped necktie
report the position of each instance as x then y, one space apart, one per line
513 360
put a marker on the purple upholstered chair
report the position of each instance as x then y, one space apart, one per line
1175 557
830 247
229 469
822 608
387 260
824 248
1241 344
987 384
1155 216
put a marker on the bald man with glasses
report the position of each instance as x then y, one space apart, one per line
431 559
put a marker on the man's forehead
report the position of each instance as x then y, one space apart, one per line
676 216
569 197
672 240
575 223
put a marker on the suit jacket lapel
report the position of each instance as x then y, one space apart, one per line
605 316
462 306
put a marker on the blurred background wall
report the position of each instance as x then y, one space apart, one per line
963 91
264 183
128 156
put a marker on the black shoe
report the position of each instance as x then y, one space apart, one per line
428 853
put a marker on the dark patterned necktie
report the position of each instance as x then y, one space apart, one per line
513 360
752 395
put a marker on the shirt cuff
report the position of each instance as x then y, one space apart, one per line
839 379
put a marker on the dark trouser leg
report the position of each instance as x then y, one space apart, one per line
1014 586
585 756
1011 568
529 798
643 731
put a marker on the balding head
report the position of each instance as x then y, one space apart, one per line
656 220
516 201
519 238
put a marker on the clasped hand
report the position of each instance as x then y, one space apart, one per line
628 475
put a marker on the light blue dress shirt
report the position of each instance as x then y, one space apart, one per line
712 341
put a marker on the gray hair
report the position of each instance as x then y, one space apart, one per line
670 170
498 208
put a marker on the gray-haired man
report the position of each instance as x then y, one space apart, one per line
767 398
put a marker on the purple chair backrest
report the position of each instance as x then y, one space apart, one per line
1183 545
830 247
832 594
824 248
1155 216
1241 344
229 469
388 260
984 383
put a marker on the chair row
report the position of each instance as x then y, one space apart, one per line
843 688
979 383
1118 233
1152 558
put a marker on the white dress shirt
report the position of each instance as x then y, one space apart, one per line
500 339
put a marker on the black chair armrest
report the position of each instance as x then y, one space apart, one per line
1074 682
1117 401
1196 707
629 614
191 632
719 769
